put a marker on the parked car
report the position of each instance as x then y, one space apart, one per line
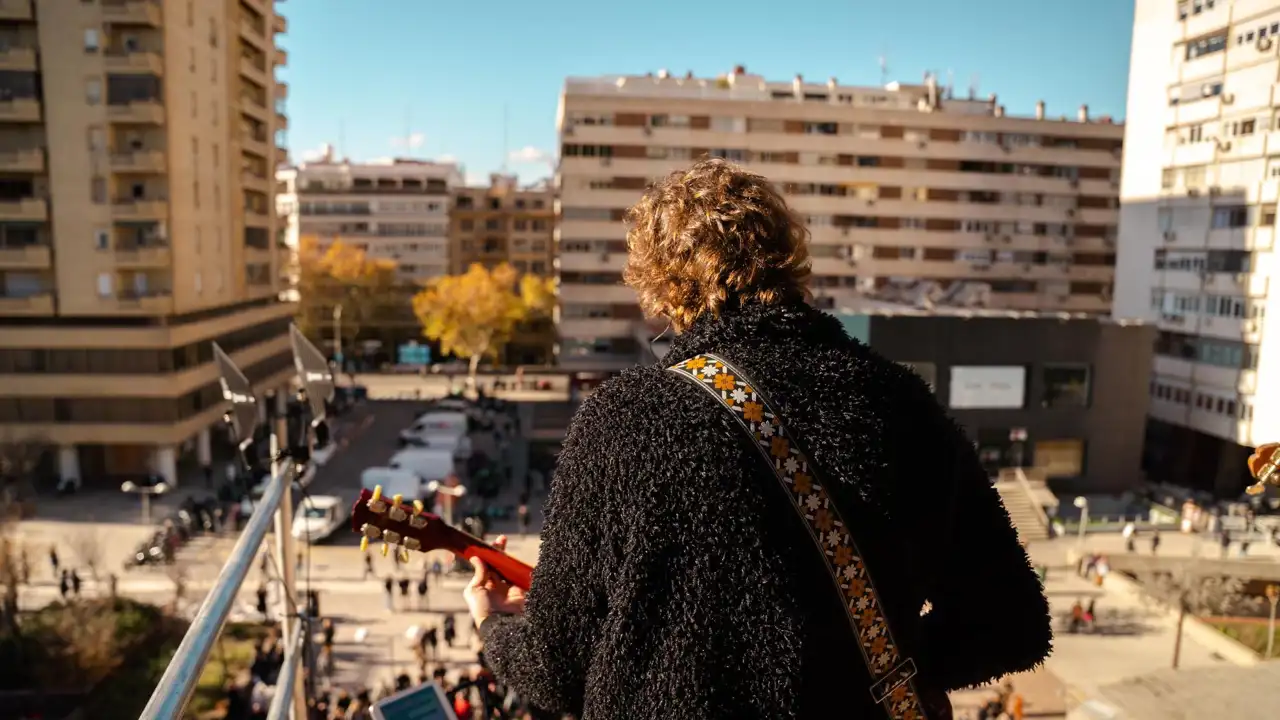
319 516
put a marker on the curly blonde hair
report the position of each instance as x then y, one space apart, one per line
711 237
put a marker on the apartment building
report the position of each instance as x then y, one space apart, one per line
136 226
902 186
1197 231
503 222
393 209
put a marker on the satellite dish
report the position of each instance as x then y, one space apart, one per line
314 372
237 390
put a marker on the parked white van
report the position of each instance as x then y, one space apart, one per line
459 445
394 481
440 423
425 463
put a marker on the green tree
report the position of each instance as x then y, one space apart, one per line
473 315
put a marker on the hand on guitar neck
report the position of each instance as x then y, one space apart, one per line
1265 466
410 527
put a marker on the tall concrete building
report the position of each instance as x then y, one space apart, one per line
1197 231
909 190
503 222
393 209
137 143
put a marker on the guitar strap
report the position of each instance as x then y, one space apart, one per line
893 676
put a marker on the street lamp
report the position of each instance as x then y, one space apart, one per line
1082 502
146 491
451 490
1273 595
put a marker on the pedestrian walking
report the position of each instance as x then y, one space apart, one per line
522 514
64 584
436 569
422 594
433 641
113 586
208 476
1155 540
404 592
75 583
298 566
25 568
368 566
262 602
450 630
53 559
388 584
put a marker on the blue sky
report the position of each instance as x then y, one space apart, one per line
428 78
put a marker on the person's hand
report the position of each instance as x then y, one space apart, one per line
487 593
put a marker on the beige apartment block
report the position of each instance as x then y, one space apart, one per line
503 222
393 209
904 188
137 144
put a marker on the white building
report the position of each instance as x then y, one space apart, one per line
394 209
1199 188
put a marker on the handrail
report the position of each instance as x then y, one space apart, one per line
1025 484
288 676
179 680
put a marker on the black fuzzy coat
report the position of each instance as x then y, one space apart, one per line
675 581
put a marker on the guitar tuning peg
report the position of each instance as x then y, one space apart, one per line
417 507
377 493
397 499
404 555
364 543
385 549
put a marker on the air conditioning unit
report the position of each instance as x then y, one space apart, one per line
1193 192
922 145
606 162
1215 191
648 131
1074 183
568 132
1224 145
1242 278
1071 212
1228 98
1007 240
1169 236
989 237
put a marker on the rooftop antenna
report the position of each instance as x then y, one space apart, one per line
883 62
951 83
342 140
973 86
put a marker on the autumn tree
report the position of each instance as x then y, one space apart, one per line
473 315
343 275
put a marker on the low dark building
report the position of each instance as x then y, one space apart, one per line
1066 394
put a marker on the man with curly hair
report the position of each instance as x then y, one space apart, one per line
678 580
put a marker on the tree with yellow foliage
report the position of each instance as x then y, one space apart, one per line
342 275
473 315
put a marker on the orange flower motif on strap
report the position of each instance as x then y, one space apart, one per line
696 363
843 556
724 381
802 483
824 522
779 447
856 589
753 411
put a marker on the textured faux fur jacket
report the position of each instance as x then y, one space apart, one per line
675 581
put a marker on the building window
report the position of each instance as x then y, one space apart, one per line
97 139
1065 386
91 40
104 285
98 190
102 239
93 91
1059 458
1206 46
984 387
1236 216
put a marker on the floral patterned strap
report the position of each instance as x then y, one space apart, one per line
893 685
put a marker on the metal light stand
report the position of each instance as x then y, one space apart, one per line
288 456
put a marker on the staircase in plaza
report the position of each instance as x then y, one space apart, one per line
1024 498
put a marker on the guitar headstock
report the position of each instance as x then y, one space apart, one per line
1265 466
395 523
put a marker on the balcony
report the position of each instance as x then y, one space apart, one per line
249 68
253 181
139 161
15 10
282 156
132 12
279 25
156 256
255 33
144 303
282 57
251 144
255 218
18 58
20 110
282 121
140 209
30 257
22 161
139 61
41 304
25 209
143 112
282 90
253 106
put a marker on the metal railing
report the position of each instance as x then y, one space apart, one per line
179 681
